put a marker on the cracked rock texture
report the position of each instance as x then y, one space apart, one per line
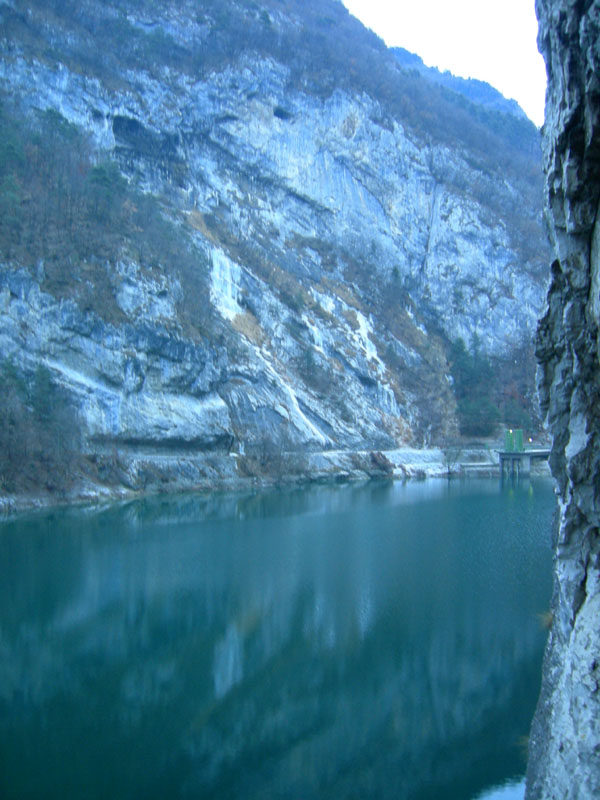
337 250
565 739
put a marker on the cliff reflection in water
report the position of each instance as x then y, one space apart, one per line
353 642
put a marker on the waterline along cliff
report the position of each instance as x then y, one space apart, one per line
236 233
565 740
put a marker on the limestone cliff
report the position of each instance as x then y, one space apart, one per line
565 741
294 231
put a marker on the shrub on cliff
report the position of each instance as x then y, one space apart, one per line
39 433
60 208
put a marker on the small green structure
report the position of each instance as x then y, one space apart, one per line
519 440
514 459
513 440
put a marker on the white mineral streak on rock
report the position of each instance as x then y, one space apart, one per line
317 335
291 409
365 329
225 284
326 301
388 399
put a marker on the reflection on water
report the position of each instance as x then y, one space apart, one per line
513 790
376 641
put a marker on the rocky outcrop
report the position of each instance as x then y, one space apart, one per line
565 740
330 248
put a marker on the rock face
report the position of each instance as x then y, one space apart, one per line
565 741
332 249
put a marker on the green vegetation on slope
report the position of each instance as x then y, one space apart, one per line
39 433
490 390
74 216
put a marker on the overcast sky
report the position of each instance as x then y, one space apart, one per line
493 40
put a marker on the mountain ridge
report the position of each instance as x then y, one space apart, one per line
477 91
314 245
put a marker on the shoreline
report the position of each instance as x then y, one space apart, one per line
154 476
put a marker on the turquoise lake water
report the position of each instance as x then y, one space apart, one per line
380 641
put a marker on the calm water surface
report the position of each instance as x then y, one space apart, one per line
371 642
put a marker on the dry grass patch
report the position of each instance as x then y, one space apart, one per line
351 318
249 326
343 292
197 221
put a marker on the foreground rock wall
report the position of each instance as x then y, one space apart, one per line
565 742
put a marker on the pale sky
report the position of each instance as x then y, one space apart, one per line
492 40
